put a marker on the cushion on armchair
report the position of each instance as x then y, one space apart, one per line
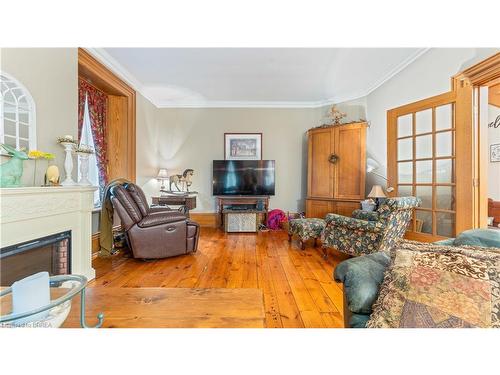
158 218
354 224
365 215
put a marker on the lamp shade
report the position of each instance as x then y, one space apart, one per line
162 174
377 192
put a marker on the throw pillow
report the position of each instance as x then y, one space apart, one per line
478 237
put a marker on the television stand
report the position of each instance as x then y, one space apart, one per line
223 202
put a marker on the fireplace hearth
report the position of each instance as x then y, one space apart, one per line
50 253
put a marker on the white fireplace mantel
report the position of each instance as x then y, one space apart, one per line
28 213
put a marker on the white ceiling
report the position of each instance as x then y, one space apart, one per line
255 77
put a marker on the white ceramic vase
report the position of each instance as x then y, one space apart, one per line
84 169
68 163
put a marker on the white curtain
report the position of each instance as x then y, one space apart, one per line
87 139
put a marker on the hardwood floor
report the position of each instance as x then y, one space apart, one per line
298 287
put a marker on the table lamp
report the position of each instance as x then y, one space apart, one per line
371 166
162 176
377 192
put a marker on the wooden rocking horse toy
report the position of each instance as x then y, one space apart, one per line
184 180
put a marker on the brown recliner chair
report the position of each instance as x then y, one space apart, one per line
156 232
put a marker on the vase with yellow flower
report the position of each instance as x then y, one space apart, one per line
36 155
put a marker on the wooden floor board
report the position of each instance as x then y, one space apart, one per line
297 285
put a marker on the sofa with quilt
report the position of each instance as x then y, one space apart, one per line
451 283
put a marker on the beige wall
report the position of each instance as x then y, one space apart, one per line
51 76
177 139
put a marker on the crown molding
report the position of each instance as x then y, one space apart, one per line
111 63
398 68
261 104
240 104
107 60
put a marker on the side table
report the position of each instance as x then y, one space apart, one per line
187 202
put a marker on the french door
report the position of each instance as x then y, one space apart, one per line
429 156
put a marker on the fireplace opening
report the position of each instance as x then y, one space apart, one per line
51 254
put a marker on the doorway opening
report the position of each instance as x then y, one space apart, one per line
492 157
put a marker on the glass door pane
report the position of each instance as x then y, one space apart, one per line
405 149
423 121
444 117
405 125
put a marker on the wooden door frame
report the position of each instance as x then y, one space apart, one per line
484 73
104 79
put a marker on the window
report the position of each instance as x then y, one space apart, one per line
87 139
17 114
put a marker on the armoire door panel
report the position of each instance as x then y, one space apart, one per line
318 208
346 208
351 163
320 170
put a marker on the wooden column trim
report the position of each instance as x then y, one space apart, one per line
467 85
464 139
104 79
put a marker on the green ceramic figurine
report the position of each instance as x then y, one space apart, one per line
12 170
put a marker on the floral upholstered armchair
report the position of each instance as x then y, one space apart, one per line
370 232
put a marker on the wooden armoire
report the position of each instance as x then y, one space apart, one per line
336 169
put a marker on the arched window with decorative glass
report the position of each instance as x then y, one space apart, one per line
17 114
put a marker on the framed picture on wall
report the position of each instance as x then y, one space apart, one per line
495 152
243 146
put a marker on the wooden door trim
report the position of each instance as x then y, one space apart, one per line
483 73
468 84
449 96
465 156
100 76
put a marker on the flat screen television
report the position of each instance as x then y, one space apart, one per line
243 177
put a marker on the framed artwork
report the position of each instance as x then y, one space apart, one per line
495 152
243 146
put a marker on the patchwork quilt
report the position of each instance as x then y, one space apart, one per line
433 286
